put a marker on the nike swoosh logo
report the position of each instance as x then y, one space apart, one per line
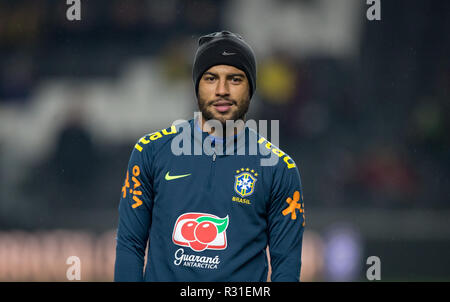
225 53
171 177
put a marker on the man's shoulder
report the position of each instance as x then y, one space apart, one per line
155 140
273 155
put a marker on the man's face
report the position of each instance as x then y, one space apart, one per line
223 94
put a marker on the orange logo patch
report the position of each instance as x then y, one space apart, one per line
136 171
293 204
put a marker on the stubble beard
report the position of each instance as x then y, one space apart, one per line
207 111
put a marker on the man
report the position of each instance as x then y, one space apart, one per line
209 215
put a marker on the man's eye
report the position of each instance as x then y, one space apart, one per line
236 80
210 78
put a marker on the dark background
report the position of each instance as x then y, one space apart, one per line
367 125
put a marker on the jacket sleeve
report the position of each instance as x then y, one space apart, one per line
286 222
135 207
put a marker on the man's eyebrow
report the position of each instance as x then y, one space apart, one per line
236 75
210 73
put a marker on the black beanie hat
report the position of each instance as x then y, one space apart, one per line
224 48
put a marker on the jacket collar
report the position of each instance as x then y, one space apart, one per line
229 145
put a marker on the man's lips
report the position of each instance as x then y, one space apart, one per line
222 106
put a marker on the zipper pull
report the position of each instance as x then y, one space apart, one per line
214 156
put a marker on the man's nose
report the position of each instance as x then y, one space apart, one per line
222 88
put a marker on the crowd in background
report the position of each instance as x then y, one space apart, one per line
370 131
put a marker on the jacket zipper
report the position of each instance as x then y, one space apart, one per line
212 170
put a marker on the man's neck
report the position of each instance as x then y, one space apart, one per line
222 131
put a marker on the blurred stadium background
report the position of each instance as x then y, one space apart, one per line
363 109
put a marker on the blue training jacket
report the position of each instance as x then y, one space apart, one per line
209 213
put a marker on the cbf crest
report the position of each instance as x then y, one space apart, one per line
244 183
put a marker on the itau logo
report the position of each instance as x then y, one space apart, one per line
200 231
